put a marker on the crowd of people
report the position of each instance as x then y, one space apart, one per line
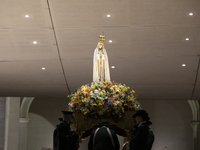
103 138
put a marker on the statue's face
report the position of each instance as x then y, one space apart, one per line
100 46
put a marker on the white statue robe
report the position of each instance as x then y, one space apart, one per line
96 65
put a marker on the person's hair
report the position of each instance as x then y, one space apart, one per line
103 122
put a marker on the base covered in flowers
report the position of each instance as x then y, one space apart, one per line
89 124
104 100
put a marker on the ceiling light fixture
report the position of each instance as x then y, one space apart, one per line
183 65
27 16
113 67
191 14
43 68
34 42
187 39
108 15
110 41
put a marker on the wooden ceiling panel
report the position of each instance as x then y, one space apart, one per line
13 13
31 73
81 43
18 45
155 70
156 12
147 51
78 72
54 91
90 13
130 42
163 92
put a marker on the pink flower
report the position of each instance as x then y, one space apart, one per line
111 99
86 91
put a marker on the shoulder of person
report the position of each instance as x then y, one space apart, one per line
112 131
135 127
61 125
144 126
93 131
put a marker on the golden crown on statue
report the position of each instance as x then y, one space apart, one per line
102 37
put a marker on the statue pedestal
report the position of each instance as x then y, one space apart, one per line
84 126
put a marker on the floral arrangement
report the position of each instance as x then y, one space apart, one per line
104 100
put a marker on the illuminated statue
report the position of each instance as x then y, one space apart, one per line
101 71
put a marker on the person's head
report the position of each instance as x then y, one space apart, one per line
103 122
60 119
140 116
67 116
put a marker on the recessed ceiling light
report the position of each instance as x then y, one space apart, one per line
187 39
110 41
113 67
183 65
191 14
27 16
43 68
34 42
108 15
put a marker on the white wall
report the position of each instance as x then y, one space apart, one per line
12 123
171 123
40 133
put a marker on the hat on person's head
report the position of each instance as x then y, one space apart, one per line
67 112
141 113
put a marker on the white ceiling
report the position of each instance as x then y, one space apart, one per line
148 47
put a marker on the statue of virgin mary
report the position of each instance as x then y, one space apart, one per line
101 71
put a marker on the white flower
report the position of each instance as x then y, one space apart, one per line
117 102
70 104
100 93
114 104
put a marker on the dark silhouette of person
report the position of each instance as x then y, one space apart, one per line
103 138
151 137
140 132
63 137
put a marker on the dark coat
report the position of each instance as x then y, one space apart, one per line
103 140
150 140
139 137
64 138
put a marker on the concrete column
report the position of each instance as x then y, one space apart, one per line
195 125
194 104
12 123
23 133
23 122
2 121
